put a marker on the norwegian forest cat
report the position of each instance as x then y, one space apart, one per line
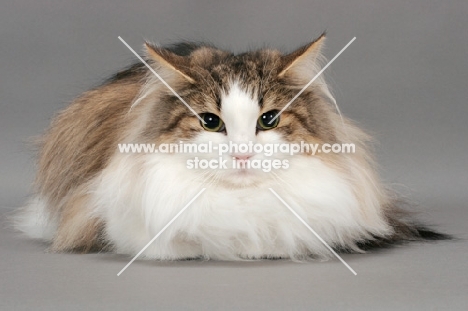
90 196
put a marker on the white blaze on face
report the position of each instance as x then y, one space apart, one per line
239 112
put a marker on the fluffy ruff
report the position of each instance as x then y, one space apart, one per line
136 199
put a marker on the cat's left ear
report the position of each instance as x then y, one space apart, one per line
302 64
167 60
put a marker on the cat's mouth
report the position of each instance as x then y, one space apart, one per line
244 177
244 172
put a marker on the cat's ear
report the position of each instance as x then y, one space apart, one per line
170 61
302 64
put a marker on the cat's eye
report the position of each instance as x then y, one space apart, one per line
213 123
264 120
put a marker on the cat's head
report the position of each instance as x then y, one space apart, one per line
237 95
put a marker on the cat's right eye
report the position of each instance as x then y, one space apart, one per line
213 123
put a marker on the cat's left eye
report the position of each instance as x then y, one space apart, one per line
213 123
264 122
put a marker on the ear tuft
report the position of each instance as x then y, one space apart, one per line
169 60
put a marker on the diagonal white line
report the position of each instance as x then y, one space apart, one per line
312 230
161 79
160 232
311 81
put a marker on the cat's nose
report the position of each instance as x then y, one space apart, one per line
242 156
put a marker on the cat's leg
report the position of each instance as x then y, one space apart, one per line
79 229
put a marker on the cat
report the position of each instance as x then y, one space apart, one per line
88 196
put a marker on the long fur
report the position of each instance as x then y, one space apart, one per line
88 196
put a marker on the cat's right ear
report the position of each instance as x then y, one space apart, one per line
169 61
303 64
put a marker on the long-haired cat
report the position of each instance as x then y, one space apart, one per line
90 196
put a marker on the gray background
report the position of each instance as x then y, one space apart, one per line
404 79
